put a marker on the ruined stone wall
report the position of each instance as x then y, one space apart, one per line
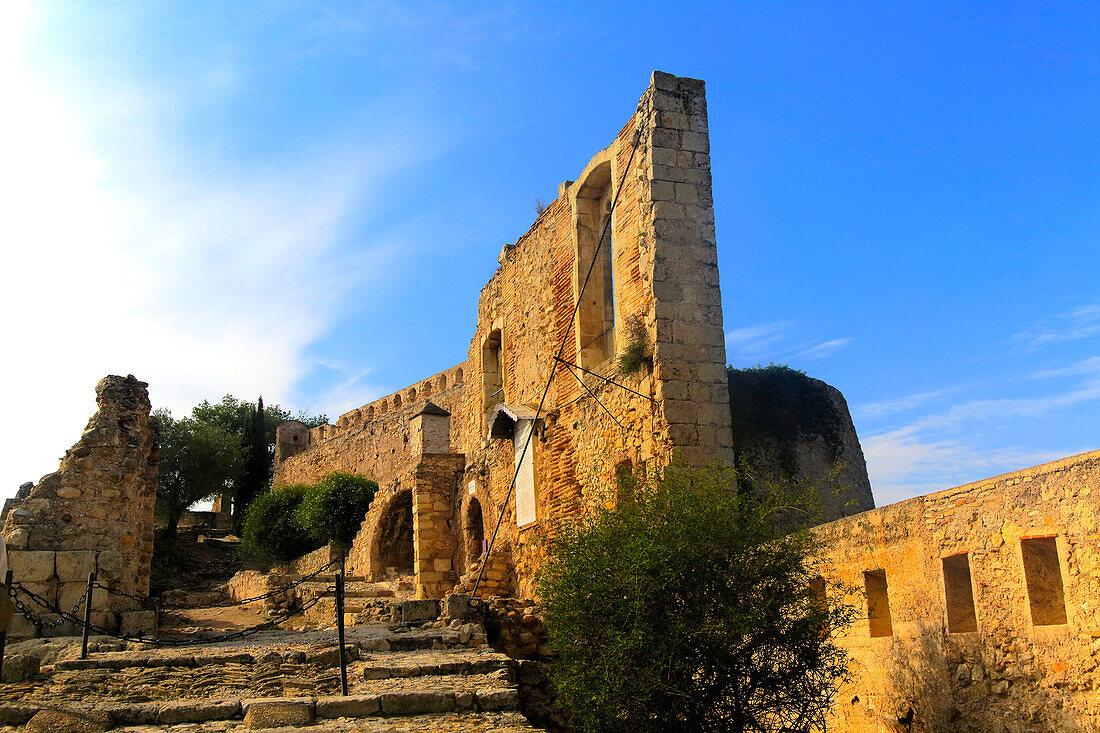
1017 649
790 429
96 511
659 269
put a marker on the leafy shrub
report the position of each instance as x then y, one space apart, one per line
271 528
685 609
333 508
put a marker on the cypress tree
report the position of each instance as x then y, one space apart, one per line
256 473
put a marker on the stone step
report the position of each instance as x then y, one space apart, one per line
274 712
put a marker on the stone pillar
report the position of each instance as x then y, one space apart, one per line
689 348
434 539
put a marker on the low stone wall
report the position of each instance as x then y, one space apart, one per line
980 605
312 562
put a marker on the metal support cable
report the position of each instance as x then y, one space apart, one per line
601 404
554 364
609 381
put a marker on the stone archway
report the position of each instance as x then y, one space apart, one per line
473 531
394 544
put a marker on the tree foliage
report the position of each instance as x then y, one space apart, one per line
334 507
254 424
271 528
685 608
287 523
197 461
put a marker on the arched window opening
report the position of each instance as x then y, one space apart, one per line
395 537
396 401
473 531
412 395
458 376
425 390
595 250
370 413
492 371
442 382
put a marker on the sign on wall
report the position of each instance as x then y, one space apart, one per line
525 477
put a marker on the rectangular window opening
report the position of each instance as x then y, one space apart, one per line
1043 573
878 603
959 594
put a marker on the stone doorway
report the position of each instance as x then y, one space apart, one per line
395 536
473 531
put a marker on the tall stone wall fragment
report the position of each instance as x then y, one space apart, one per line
96 511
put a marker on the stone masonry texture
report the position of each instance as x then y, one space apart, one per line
95 513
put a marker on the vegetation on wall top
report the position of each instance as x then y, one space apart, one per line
777 406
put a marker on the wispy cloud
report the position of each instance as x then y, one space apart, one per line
753 341
947 447
822 349
1077 323
898 404
767 342
903 463
127 255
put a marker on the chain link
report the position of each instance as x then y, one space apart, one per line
71 617
35 618
262 596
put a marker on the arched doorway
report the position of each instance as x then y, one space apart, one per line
395 536
473 531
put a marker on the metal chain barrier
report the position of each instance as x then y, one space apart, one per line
39 620
42 602
262 596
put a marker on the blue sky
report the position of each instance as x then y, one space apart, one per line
303 199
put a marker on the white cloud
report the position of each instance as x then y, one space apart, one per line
902 463
951 446
125 255
751 341
897 404
1077 323
822 349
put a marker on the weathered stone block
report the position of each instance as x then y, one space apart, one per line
413 611
58 721
136 623
19 667
197 711
417 703
352 706
109 565
17 538
503 699
277 712
73 565
31 565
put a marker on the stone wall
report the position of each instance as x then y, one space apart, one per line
95 512
652 288
980 603
791 429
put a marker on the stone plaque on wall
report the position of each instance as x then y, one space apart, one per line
525 476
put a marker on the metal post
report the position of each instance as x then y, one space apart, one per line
340 628
4 633
87 616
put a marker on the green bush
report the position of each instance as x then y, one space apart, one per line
271 528
685 609
334 507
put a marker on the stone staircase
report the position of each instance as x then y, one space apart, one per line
400 679
494 582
